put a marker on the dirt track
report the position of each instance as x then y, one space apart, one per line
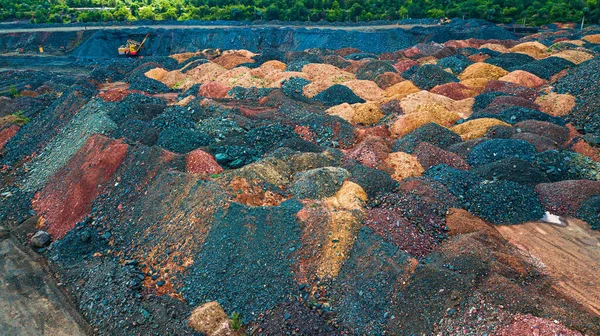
29 302
207 27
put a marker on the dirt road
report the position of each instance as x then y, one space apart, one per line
205 27
29 302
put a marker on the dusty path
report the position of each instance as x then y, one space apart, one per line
571 255
205 27
29 302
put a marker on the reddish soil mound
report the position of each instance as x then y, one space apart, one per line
511 88
7 133
67 198
231 61
200 162
116 95
403 65
387 79
565 197
214 90
430 155
456 91
531 325
397 229
371 152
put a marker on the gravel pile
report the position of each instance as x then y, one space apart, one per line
431 133
515 114
498 149
510 60
585 116
336 95
181 140
590 212
428 76
456 63
457 181
546 67
504 202
372 69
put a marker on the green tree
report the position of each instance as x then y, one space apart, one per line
272 12
355 11
146 13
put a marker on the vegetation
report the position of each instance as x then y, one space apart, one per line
236 321
504 11
13 92
19 119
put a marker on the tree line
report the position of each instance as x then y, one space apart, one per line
500 11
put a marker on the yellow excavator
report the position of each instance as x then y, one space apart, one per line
132 48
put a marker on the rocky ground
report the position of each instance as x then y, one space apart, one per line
447 183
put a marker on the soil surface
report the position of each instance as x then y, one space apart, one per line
30 302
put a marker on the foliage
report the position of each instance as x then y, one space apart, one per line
20 119
505 11
12 91
236 321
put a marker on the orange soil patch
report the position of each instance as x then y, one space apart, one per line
523 78
185 101
344 111
595 38
252 193
239 52
322 77
476 128
425 114
574 56
317 72
366 114
329 230
180 58
267 68
477 84
232 60
206 72
365 89
482 70
427 60
404 165
240 76
347 51
400 90
156 73
556 104
305 133
415 103
570 255
533 49
28 93
478 58
7 133
494 46
176 79
460 221
67 198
